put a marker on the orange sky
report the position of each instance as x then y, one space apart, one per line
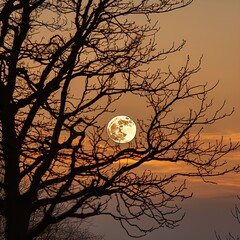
211 28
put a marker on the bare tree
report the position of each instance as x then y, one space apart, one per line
67 230
236 215
230 237
54 150
71 230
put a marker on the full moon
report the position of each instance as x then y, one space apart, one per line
121 129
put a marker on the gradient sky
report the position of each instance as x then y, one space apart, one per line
212 29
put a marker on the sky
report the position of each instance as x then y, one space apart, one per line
212 29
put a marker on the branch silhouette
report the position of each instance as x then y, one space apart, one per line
64 66
236 215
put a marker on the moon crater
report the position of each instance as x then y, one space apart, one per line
121 129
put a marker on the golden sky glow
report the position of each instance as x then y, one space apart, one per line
212 29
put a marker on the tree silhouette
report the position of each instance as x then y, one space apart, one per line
236 215
70 230
56 160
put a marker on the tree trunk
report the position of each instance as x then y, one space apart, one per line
17 220
16 207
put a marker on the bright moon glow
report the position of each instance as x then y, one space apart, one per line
121 129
